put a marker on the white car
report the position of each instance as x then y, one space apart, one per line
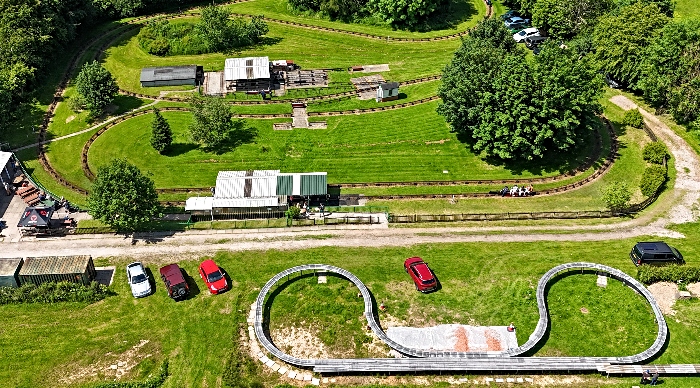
515 20
138 280
526 33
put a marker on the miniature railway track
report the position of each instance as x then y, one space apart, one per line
422 360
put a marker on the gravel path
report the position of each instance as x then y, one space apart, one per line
681 207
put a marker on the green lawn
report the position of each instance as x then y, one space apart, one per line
356 148
482 284
308 48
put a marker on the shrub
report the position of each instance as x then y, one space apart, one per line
293 212
653 178
655 152
648 274
54 293
616 196
633 118
151 382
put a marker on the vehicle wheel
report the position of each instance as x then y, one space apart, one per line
415 285
181 292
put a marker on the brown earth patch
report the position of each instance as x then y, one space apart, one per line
493 341
462 344
111 367
665 295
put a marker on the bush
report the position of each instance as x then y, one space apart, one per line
648 274
151 382
293 212
617 196
655 152
633 119
653 178
54 293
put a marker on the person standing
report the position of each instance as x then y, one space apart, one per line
645 377
654 378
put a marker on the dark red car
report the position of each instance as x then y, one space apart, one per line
213 277
422 275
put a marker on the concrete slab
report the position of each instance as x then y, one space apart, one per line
315 381
105 275
282 370
455 337
307 377
602 281
269 363
292 374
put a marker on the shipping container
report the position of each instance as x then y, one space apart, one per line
9 270
76 269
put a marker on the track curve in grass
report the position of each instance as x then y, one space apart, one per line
508 360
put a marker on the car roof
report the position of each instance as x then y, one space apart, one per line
530 29
209 266
171 270
423 271
656 246
135 268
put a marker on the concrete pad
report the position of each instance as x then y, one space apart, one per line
282 370
322 280
292 374
275 366
307 377
315 381
602 281
500 380
325 380
529 380
269 363
519 380
455 337
105 275
264 359
510 380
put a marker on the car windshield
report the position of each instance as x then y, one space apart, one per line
138 278
675 252
523 33
214 276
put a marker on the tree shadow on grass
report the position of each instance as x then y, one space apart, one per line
240 135
265 43
177 149
449 16
126 103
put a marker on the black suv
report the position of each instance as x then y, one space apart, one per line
533 41
655 253
174 281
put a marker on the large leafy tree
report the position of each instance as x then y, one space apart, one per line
96 87
566 18
161 134
512 108
404 13
621 40
213 121
665 6
122 197
671 72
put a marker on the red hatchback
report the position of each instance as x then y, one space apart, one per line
421 274
213 277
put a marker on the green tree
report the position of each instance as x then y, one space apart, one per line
665 6
514 109
161 134
213 121
404 13
566 18
216 28
96 87
670 78
616 196
621 40
122 197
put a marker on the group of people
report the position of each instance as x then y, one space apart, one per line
517 191
648 378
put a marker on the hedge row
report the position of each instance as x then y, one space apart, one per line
655 152
653 178
151 382
54 293
648 274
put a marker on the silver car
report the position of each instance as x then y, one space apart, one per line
138 280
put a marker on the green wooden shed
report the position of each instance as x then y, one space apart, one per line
76 269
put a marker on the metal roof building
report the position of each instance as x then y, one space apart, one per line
257 191
247 74
169 76
246 68
7 168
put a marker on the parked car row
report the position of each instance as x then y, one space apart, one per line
522 31
173 278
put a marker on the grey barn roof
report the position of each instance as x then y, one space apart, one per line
389 85
168 73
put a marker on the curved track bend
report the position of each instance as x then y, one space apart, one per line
421 360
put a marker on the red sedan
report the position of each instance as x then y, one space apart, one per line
422 275
213 277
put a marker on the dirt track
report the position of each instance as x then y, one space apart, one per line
680 207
